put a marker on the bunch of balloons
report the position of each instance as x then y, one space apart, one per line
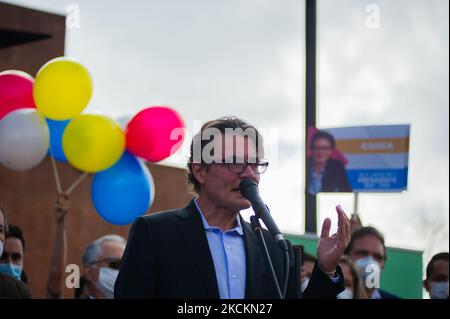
43 116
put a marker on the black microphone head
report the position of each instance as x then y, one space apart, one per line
247 187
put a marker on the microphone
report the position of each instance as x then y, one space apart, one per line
249 189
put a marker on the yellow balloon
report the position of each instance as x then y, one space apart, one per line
93 142
62 89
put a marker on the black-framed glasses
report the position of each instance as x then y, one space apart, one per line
259 167
113 263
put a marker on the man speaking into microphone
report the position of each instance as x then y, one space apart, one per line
206 250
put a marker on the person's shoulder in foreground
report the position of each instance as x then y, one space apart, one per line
11 288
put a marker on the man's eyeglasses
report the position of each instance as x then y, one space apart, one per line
113 263
259 167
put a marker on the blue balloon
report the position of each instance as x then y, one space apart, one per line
124 191
56 132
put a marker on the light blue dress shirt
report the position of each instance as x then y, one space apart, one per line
228 253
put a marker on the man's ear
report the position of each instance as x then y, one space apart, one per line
199 172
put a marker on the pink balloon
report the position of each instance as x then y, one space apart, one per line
155 133
16 91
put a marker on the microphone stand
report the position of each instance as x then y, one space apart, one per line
262 243
298 253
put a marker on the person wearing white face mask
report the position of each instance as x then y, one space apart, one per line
101 261
354 288
436 283
368 251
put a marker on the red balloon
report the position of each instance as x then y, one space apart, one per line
155 133
16 91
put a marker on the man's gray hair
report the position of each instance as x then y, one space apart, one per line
94 249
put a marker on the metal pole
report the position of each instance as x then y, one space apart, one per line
310 118
355 203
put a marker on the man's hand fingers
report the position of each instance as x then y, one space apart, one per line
344 225
326 228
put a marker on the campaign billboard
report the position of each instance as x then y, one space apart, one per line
358 159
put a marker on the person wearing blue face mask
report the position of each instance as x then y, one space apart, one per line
436 283
10 288
11 261
368 251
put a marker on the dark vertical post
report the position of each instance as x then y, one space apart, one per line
310 200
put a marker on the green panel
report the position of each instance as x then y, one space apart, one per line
402 274
309 243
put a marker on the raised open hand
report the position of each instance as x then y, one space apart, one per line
331 248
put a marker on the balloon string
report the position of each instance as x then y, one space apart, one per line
55 172
76 183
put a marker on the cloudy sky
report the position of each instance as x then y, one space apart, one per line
210 58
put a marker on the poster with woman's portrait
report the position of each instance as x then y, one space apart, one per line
357 159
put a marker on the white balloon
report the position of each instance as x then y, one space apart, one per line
24 139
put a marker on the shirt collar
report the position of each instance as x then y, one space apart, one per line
206 226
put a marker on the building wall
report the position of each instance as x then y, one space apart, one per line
28 23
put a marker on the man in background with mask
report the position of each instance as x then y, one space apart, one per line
436 283
101 261
11 261
367 250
